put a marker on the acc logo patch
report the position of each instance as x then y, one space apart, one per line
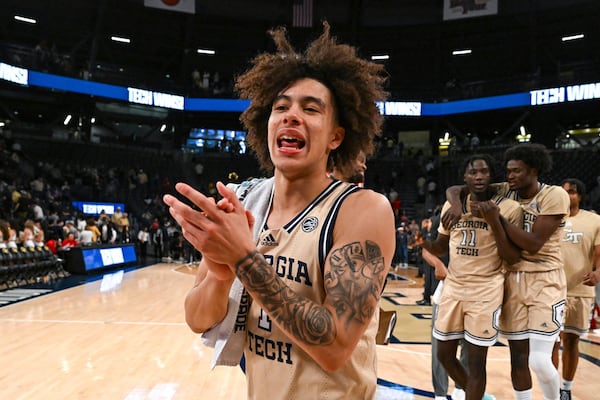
310 224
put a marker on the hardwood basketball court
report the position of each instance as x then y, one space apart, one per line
123 337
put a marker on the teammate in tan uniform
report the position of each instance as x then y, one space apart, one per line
581 252
535 288
321 311
478 247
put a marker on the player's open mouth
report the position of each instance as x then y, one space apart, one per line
290 142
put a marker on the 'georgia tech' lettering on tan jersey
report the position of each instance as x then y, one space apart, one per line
475 267
278 369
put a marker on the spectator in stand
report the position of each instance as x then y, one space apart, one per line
430 166
393 198
69 241
92 227
414 227
103 218
404 218
177 246
81 223
38 238
124 225
143 237
114 235
55 226
86 237
104 226
37 210
158 241
402 240
4 233
12 238
53 242
68 228
26 237
431 196
125 235
142 179
429 233
37 187
116 219
396 207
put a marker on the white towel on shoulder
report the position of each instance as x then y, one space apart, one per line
229 344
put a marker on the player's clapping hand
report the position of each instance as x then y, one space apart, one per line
220 231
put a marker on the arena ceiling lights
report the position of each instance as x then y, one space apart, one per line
25 19
572 37
380 57
206 51
461 52
120 39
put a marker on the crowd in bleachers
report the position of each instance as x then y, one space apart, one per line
37 210
36 192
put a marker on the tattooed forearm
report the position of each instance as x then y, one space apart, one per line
307 321
354 279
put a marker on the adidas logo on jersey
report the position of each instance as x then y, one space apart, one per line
269 240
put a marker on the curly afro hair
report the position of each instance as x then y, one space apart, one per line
356 85
534 155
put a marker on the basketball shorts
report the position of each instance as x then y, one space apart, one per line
534 304
578 314
475 321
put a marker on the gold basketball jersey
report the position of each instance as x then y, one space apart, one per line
549 200
475 268
276 368
581 235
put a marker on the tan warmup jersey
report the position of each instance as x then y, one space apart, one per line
276 368
475 268
581 235
549 200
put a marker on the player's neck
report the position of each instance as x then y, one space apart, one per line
574 210
482 196
292 196
530 191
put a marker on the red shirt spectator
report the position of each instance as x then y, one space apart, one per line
396 205
69 241
52 244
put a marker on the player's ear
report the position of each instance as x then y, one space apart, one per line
337 137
